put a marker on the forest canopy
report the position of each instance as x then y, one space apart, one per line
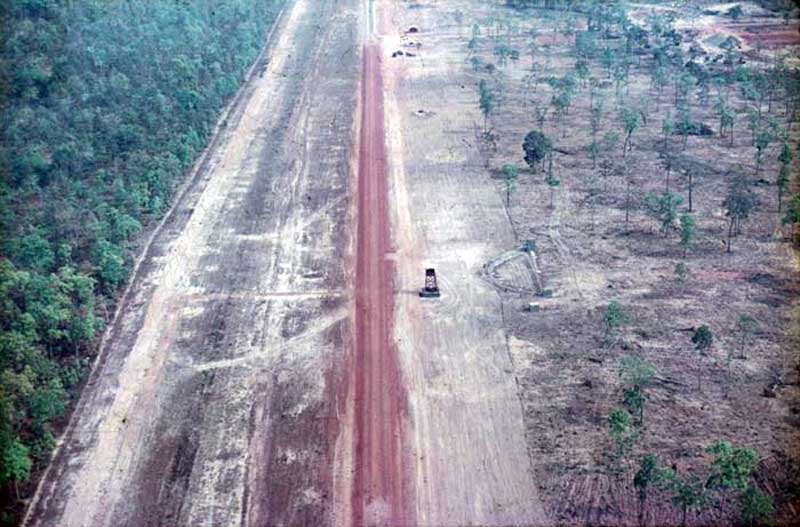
104 105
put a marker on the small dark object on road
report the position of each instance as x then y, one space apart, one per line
431 289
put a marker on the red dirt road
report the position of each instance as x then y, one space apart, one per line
381 493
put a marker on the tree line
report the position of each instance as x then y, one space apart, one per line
104 105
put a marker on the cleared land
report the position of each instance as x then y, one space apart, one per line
381 491
215 400
273 364
465 421
567 379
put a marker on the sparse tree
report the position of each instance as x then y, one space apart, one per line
728 119
753 121
594 152
690 172
603 147
476 63
684 84
659 80
687 232
686 492
668 161
621 78
503 52
763 140
757 507
510 173
564 90
582 69
552 181
472 45
703 339
541 115
594 190
682 271
732 468
619 423
586 44
631 121
533 47
735 12
16 464
787 12
596 107
487 102
739 203
562 100
663 208
636 374
685 125
731 46
792 218
784 172
609 59
628 175
537 146
782 183
644 477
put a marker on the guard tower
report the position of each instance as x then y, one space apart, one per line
431 289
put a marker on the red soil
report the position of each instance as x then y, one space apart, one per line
769 36
381 492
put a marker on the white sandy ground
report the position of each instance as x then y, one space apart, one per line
465 419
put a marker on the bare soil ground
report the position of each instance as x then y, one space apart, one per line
568 382
465 422
245 383
382 492
216 402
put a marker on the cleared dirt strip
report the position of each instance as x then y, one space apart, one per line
381 490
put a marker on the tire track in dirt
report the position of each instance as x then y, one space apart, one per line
380 491
465 425
182 192
212 407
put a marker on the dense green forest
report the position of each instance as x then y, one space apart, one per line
104 105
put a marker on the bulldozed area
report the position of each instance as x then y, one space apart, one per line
273 362
464 425
216 399
744 390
